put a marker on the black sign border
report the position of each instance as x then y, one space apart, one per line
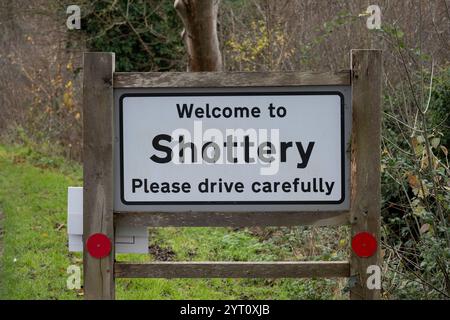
230 93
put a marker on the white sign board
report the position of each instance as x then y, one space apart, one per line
229 150
128 239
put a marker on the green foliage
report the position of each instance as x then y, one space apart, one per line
416 196
440 107
145 35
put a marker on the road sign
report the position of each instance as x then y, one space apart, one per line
131 134
232 150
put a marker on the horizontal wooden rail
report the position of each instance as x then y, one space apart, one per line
228 79
232 219
169 270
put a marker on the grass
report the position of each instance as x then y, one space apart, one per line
32 199
33 191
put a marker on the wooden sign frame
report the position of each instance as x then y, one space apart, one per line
100 80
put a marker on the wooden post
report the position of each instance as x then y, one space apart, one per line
98 171
366 192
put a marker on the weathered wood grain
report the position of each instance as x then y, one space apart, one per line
98 170
366 190
231 219
227 79
289 269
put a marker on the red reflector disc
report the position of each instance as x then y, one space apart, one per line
364 244
98 245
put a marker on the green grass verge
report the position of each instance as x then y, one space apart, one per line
33 193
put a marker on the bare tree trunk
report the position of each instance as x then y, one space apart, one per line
200 34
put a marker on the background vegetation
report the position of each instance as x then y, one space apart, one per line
40 112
